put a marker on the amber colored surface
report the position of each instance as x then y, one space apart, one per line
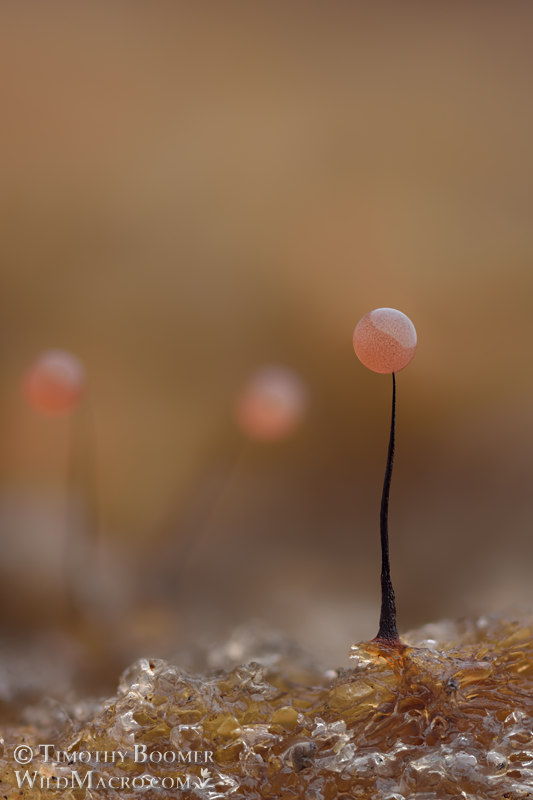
437 719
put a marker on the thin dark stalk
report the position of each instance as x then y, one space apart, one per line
388 631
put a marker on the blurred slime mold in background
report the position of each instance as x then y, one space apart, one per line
271 404
55 383
55 386
269 407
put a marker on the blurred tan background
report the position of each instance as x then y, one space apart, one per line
192 190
